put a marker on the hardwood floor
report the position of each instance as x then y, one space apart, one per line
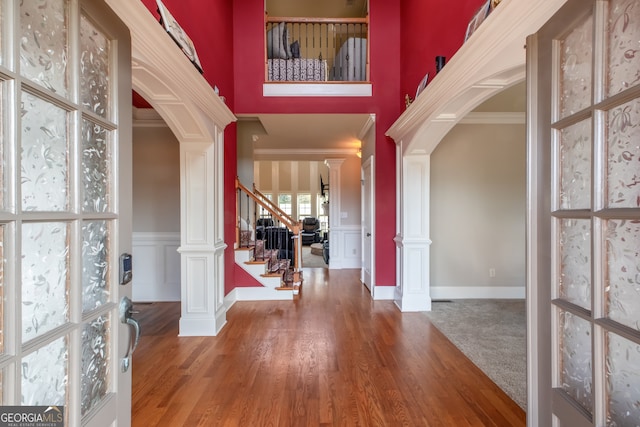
332 357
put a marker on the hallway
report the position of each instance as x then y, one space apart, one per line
332 357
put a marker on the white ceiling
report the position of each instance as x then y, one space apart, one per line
305 136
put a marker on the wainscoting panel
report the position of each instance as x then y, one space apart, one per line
345 247
156 267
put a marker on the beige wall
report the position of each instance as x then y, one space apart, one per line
156 180
350 191
478 207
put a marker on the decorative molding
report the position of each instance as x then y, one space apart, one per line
317 89
492 59
371 121
304 151
479 118
163 75
156 276
477 292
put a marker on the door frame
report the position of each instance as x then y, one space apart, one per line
367 241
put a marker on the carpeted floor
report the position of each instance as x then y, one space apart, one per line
492 333
310 260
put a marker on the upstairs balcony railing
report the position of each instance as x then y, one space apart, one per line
316 49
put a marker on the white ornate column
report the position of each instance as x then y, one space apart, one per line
336 236
412 291
202 237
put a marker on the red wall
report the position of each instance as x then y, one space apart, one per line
385 103
405 38
209 25
431 28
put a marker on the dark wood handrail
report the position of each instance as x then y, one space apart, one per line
292 225
271 203
285 219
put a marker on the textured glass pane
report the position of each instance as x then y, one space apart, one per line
623 134
45 277
95 265
575 358
44 375
575 69
3 165
623 272
575 166
575 261
623 381
94 69
95 363
96 167
43 46
1 291
44 164
624 44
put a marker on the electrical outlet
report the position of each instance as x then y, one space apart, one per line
492 272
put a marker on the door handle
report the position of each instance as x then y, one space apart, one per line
368 234
126 317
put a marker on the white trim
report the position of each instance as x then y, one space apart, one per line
491 60
367 126
478 118
317 89
477 292
383 292
256 293
305 151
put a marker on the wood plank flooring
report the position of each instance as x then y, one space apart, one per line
333 357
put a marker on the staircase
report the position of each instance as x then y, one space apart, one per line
263 252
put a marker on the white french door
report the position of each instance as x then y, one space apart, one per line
65 208
584 216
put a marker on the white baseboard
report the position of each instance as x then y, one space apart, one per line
477 292
258 293
383 292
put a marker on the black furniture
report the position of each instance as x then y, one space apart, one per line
310 232
261 224
279 238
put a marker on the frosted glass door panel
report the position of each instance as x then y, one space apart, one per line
623 160
45 374
575 166
44 46
575 68
624 45
94 383
623 382
96 167
94 68
44 156
623 278
95 264
576 358
2 291
45 277
575 262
